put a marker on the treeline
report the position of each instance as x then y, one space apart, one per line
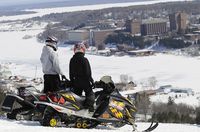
51 30
2 95
166 112
140 42
173 117
124 38
174 113
173 43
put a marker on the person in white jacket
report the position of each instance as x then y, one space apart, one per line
50 65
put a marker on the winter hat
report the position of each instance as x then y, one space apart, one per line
80 47
51 39
52 42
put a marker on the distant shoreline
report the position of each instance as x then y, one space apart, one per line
69 3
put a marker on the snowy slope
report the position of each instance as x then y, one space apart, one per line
178 71
191 100
168 69
41 12
24 55
29 126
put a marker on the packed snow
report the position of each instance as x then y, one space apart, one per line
41 12
24 126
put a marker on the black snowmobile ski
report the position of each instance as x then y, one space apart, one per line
151 127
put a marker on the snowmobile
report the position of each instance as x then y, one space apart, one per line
65 108
20 105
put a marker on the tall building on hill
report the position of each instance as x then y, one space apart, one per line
78 35
97 37
178 22
153 27
133 26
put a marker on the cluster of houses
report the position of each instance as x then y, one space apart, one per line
178 25
116 52
166 89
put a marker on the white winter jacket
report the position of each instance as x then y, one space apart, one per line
50 62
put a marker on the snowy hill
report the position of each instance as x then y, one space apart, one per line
168 69
23 56
178 71
173 70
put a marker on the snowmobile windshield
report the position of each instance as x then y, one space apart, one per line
28 89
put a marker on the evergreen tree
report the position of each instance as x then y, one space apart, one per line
170 101
198 117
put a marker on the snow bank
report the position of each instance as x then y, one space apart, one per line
24 126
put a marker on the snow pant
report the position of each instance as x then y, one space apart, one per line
51 83
89 96
89 101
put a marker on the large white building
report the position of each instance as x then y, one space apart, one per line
78 35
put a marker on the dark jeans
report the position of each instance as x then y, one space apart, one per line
51 83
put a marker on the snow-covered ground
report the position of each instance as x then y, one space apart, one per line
191 100
41 12
178 71
168 69
24 126
24 56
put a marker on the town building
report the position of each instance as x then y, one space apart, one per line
133 26
97 37
178 22
78 35
153 27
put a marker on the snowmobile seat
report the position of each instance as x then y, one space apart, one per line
79 98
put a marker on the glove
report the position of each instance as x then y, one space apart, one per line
92 84
99 84
63 77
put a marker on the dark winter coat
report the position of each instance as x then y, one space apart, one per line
80 74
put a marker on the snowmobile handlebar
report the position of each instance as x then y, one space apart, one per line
65 83
105 86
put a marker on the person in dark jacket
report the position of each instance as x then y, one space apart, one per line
50 65
80 76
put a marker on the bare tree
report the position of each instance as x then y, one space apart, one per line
152 82
130 79
143 104
124 78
